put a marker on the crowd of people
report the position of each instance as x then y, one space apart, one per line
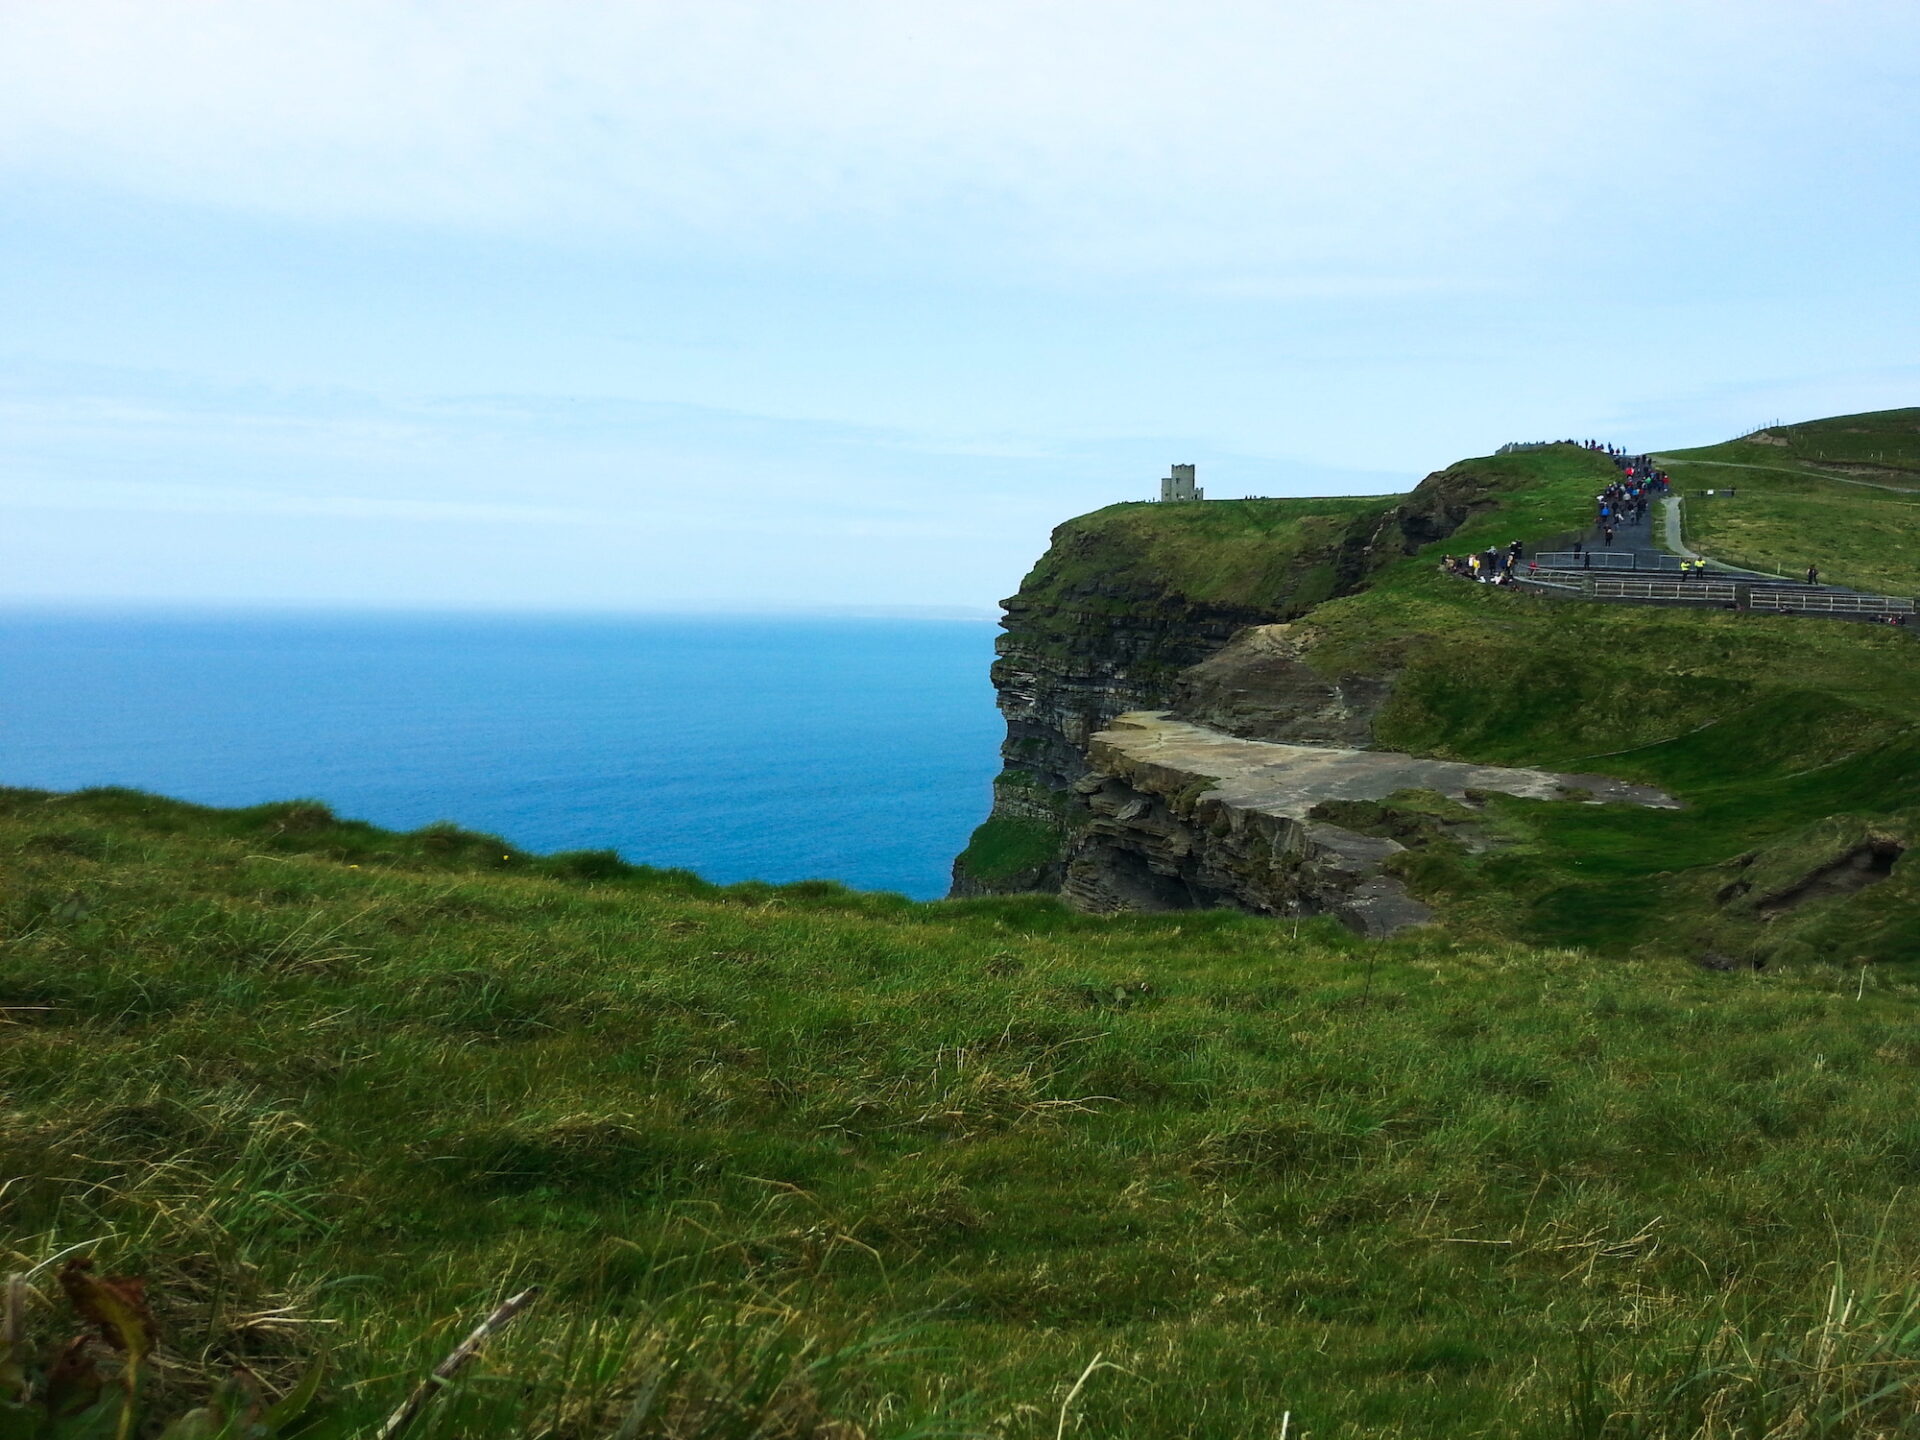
1625 501
1492 566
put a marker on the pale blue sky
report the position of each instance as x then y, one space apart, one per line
630 305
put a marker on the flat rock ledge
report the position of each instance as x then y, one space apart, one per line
1182 817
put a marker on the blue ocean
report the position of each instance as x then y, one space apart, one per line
741 748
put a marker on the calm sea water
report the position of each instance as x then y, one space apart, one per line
774 749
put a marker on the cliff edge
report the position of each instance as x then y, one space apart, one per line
1322 630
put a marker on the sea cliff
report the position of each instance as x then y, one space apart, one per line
1229 704
1137 608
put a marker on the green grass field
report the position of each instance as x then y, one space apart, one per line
1774 730
1842 494
803 1162
1224 552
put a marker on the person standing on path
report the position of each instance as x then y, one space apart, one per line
1813 574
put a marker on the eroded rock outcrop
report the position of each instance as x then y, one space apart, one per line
1260 686
1181 816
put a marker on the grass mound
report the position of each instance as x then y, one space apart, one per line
800 1162
1238 554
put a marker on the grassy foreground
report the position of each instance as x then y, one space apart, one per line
800 1162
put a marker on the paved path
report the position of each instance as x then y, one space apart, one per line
1640 540
1636 539
1676 543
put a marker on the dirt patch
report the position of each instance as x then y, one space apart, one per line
1866 864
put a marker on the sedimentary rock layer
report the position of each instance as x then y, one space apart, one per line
1180 815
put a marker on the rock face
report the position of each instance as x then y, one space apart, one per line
1062 677
1064 674
1259 686
1180 816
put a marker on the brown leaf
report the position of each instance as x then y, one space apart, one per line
115 1306
72 1382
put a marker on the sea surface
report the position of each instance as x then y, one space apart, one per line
741 748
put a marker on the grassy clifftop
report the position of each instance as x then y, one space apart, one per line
1779 733
1843 494
333 1088
1284 556
1240 554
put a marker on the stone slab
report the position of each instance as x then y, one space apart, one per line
1289 780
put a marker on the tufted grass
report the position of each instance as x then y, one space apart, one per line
792 1159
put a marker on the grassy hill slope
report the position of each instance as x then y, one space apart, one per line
1245 554
330 1087
1843 494
1792 740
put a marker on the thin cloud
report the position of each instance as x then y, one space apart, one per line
1078 136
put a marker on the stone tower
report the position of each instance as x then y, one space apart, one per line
1180 486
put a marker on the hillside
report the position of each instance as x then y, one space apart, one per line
331 1088
1843 494
1790 741
1793 742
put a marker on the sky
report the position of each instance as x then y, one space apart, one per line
844 304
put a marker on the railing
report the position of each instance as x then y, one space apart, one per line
1704 592
1828 603
1546 575
1718 591
1605 560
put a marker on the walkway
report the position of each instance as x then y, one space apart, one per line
1635 539
1720 586
1676 543
1736 588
